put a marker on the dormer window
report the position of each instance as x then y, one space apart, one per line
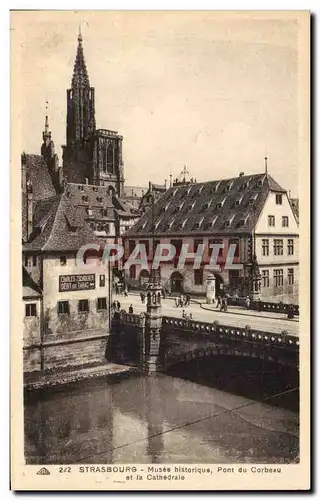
221 203
215 187
229 222
200 190
170 224
191 207
214 220
242 222
238 201
184 223
166 207
188 191
181 205
157 224
175 192
253 199
144 224
206 205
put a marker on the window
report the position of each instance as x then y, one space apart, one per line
132 245
63 260
271 220
89 211
291 276
34 260
265 247
197 243
277 247
83 305
235 242
99 199
101 303
198 276
133 272
63 307
85 198
290 247
215 242
278 277
285 221
31 310
26 261
102 280
265 278
104 212
278 199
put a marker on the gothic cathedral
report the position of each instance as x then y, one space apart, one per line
91 155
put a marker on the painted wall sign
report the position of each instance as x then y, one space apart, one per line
75 282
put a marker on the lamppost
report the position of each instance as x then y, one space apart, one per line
255 275
151 341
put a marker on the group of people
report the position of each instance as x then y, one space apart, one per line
222 302
116 307
120 289
185 315
183 301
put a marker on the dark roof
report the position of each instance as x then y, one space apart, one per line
30 288
58 226
39 175
225 206
98 200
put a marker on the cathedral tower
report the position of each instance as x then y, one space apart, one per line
90 155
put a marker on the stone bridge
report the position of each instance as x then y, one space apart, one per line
182 340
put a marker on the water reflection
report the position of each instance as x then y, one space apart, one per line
156 419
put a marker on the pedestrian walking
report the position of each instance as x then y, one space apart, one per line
118 305
188 299
248 302
177 301
183 313
125 292
130 309
218 302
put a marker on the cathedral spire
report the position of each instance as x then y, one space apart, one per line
80 100
46 134
80 73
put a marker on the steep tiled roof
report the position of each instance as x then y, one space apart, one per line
97 199
39 175
30 288
226 206
58 226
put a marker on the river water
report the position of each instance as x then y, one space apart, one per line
212 415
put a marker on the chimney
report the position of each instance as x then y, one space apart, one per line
29 209
241 174
165 183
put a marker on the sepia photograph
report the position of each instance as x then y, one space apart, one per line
161 181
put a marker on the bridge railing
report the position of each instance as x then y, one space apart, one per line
244 334
125 318
264 306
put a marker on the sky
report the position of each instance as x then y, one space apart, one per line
211 92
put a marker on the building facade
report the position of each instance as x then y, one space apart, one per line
249 212
66 301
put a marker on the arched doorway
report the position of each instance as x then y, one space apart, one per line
219 284
144 278
176 282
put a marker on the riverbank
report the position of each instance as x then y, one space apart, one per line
36 381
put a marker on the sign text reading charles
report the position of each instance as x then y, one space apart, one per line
73 282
